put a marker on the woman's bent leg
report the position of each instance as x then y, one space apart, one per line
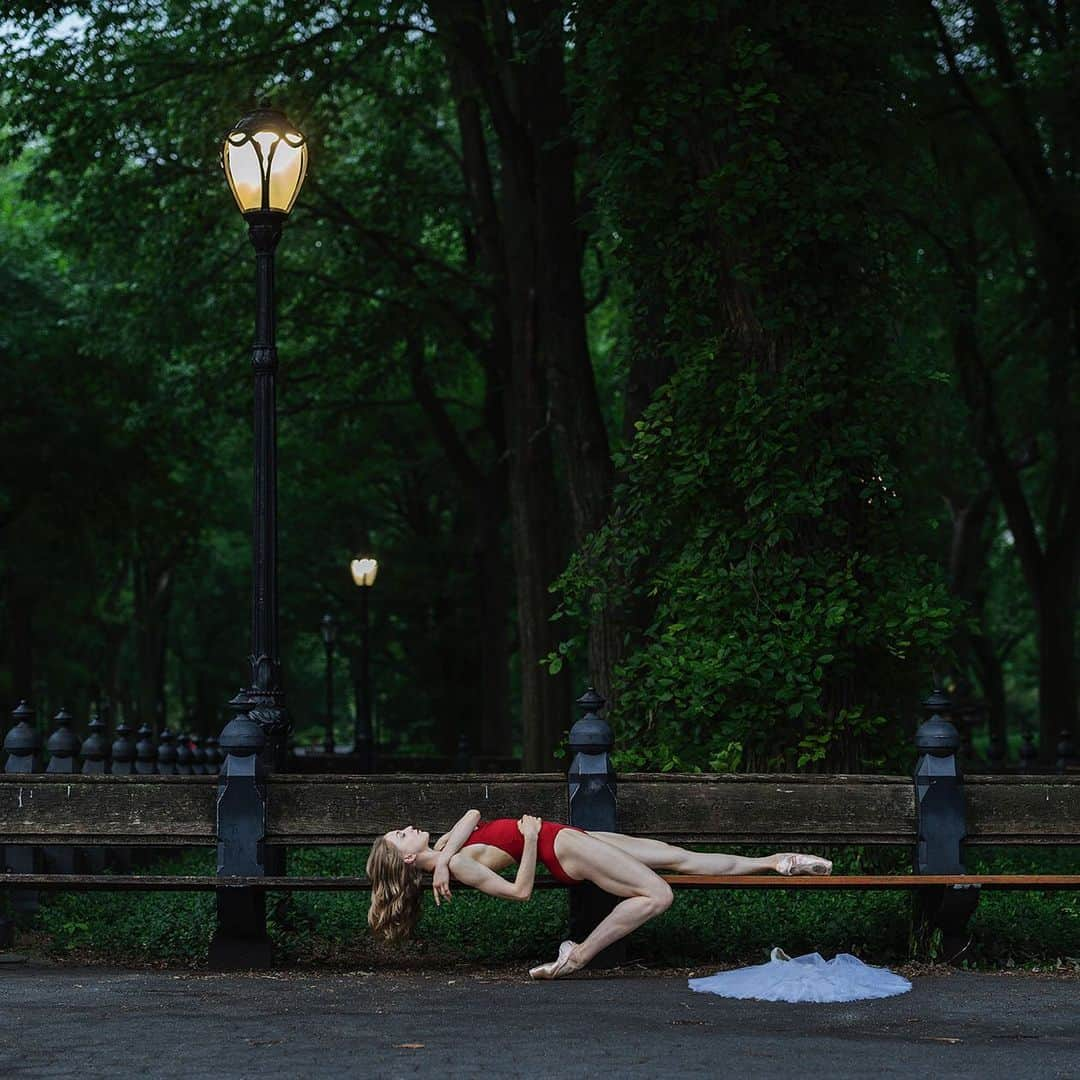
657 855
616 872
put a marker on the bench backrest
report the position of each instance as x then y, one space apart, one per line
784 810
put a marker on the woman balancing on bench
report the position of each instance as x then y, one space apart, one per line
473 851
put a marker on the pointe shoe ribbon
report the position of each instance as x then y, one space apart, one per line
790 865
556 967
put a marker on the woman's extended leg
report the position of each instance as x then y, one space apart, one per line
660 856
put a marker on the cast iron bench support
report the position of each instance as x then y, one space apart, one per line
240 940
941 828
591 797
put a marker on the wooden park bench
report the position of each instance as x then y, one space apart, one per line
248 816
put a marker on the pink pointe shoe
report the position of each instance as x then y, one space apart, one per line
556 967
791 864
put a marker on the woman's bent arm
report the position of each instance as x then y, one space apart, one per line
447 847
454 840
470 872
526 868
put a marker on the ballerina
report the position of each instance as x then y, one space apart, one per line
473 852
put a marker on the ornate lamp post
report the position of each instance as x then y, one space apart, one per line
265 161
329 636
364 569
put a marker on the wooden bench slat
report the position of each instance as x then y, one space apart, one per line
112 839
160 882
122 810
877 881
329 810
348 806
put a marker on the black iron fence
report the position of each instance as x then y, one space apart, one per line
188 754
176 753
171 754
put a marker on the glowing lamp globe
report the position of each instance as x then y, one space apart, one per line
364 571
265 161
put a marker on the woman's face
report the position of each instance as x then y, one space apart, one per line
409 840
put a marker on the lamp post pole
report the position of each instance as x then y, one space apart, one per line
329 635
266 693
265 160
365 673
365 744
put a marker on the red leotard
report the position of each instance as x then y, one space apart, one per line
504 834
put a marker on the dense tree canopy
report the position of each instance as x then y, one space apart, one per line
722 354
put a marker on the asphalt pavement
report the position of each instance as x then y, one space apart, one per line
88 1022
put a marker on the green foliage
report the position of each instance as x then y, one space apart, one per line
135 284
771 600
782 607
702 926
773 195
168 926
1025 925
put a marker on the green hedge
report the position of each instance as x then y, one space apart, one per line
709 926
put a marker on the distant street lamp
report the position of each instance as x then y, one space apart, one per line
265 161
329 636
364 570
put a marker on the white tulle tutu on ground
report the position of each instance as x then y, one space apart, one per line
805 978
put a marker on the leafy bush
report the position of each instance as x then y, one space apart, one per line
706 926
141 926
791 622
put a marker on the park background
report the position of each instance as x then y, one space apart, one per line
722 355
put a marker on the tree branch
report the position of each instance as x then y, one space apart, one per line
988 18
976 383
1014 165
467 470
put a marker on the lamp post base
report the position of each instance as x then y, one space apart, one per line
266 708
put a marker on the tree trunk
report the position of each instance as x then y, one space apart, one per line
505 230
536 541
561 339
1056 621
20 607
207 704
992 680
153 594
1049 565
1027 140
488 725
968 556
493 591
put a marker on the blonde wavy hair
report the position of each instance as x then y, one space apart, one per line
396 888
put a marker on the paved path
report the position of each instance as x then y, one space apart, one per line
91 1022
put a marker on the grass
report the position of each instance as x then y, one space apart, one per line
1029 928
